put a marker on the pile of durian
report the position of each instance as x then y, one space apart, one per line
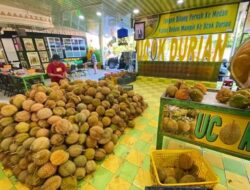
239 99
179 121
52 136
180 90
184 170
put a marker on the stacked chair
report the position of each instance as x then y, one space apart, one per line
76 71
11 85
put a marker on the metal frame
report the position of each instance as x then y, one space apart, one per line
143 30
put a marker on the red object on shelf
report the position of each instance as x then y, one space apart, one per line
228 83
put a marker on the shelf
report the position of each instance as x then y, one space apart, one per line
209 102
209 118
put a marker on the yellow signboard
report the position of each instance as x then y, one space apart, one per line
189 48
223 131
210 20
220 131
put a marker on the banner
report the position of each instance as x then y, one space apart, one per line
209 48
210 20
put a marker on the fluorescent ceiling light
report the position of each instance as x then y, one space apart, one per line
180 1
136 11
81 17
98 13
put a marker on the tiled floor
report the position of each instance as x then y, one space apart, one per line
128 167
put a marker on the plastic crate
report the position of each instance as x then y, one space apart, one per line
167 158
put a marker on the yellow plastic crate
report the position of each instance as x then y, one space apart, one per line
166 158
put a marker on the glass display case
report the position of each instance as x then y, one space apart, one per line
75 47
55 46
2 54
17 44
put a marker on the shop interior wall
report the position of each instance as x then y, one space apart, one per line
155 67
12 34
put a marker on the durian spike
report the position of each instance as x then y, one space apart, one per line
233 123
35 171
170 115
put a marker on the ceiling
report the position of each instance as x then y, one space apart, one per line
152 7
66 12
123 7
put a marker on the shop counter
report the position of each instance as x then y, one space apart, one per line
208 124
